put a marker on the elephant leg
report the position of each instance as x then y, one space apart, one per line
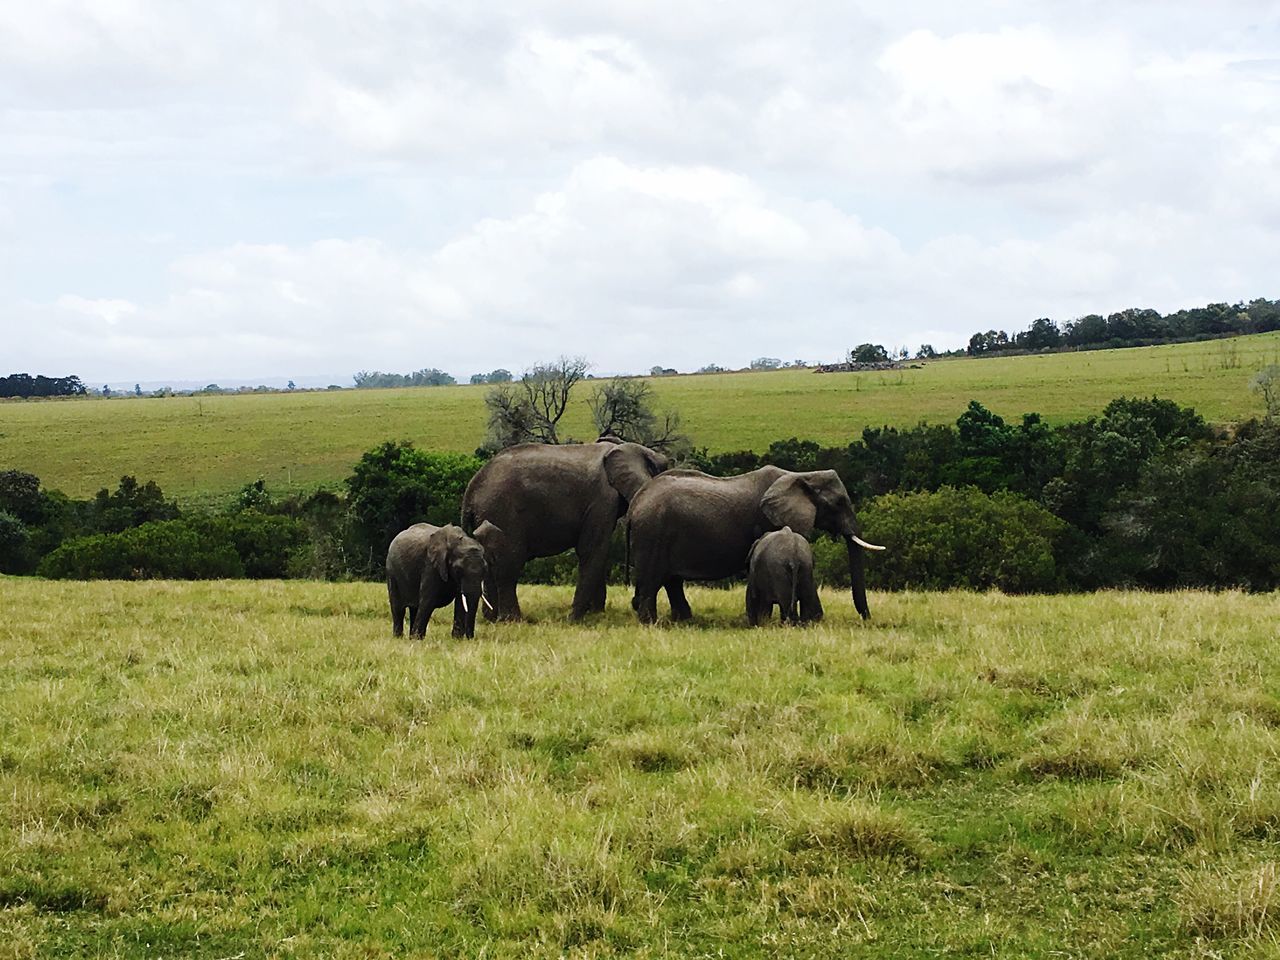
397 612
501 589
459 619
593 565
810 605
419 617
753 608
680 609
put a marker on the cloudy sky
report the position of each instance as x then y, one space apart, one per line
272 189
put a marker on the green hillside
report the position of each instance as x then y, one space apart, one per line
208 446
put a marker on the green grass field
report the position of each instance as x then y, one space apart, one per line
257 769
206 448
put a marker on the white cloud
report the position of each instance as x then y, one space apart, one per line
396 185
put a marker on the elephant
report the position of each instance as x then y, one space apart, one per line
780 570
542 499
686 525
429 566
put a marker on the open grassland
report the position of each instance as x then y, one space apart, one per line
259 769
207 447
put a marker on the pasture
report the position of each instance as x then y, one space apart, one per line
257 769
204 448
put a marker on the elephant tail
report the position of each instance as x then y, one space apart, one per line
793 567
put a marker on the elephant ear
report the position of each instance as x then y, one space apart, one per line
629 465
440 547
789 503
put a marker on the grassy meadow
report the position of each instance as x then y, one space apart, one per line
258 769
201 448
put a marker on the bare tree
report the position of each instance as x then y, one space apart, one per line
1267 382
625 409
530 409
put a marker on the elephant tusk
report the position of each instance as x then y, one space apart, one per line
463 598
486 601
862 543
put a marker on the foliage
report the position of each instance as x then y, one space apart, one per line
1266 382
495 376
394 486
130 505
626 410
868 353
766 363
25 385
427 377
530 410
1136 327
954 538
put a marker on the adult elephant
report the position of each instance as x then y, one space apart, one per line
542 499
686 525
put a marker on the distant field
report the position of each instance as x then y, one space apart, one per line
207 447
257 769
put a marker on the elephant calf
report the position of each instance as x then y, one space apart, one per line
780 570
429 567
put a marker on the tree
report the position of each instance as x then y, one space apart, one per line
868 353
926 352
661 371
394 485
712 368
106 390
766 363
625 409
1267 383
530 409
137 389
291 386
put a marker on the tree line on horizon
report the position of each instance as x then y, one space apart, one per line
1133 327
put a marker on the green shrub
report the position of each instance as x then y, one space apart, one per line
953 538
248 544
165 549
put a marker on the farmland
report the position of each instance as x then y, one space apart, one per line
259 769
206 447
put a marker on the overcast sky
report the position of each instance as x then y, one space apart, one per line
268 188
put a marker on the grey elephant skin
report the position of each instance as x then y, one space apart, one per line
541 499
686 525
780 572
429 567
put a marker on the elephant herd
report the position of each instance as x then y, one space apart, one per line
537 500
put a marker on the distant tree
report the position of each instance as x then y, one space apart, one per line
106 390
625 408
477 378
1042 335
291 385
712 368
766 363
868 353
1267 383
926 352
993 341
661 371
137 389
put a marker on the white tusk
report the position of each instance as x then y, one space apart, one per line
463 598
866 546
486 601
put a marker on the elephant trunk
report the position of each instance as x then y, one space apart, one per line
857 578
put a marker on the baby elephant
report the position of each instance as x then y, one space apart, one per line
429 566
780 570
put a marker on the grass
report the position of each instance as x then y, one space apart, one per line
259 769
207 447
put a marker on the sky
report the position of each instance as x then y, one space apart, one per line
266 189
